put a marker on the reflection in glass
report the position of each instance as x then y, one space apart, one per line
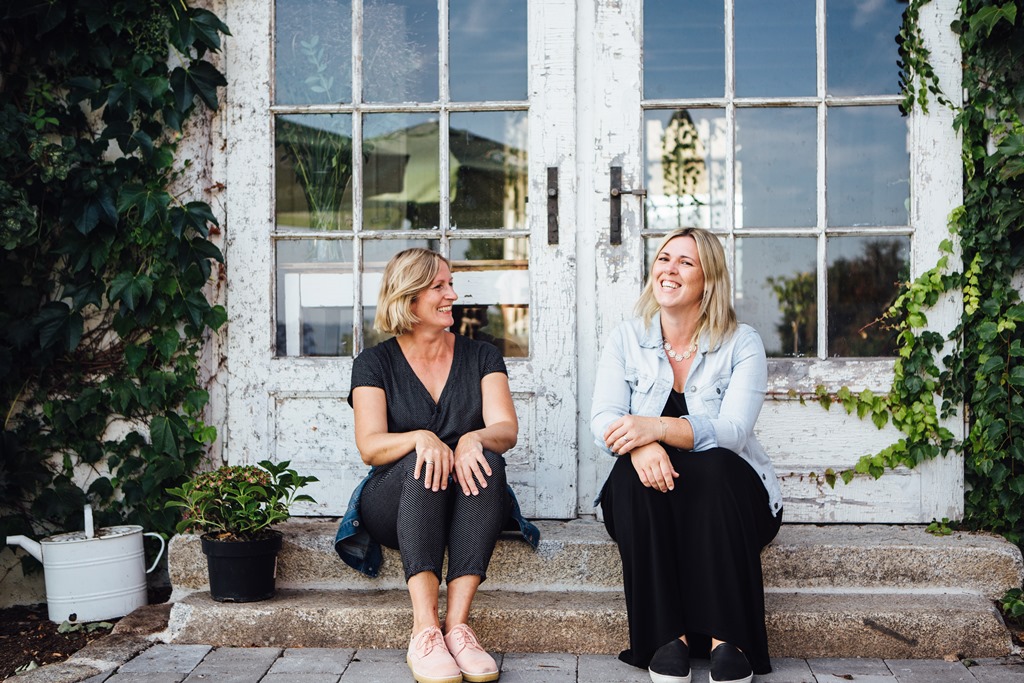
314 298
401 174
867 167
684 49
492 280
775 168
862 54
313 170
400 51
684 160
489 166
776 292
376 255
864 278
313 51
487 49
775 48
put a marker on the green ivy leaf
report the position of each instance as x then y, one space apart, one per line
131 290
162 436
201 79
151 203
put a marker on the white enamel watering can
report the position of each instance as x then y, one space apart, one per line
92 575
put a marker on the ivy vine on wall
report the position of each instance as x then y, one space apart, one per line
103 312
984 369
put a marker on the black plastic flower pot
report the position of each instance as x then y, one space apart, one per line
242 571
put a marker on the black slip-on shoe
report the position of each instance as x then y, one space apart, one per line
671 663
730 665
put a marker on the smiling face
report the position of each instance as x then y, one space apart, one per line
677 275
433 306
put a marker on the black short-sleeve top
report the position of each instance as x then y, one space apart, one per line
458 410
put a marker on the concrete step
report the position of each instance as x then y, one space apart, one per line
578 556
810 623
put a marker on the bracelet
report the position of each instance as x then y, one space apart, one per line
664 429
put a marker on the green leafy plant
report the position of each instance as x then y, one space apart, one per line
937 528
104 266
239 502
1012 604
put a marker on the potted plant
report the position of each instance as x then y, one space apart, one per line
234 508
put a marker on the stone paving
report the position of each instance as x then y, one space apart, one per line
192 663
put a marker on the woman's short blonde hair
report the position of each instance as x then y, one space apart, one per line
407 274
717 316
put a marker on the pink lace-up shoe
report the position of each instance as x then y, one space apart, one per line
429 659
476 665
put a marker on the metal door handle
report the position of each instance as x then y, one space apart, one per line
616 192
552 205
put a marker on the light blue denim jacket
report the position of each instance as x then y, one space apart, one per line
724 391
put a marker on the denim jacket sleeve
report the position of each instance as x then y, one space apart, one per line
353 543
731 393
612 392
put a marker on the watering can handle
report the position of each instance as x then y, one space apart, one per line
160 554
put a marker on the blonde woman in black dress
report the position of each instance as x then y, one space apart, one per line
693 497
433 418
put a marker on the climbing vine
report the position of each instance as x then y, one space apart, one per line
982 367
103 313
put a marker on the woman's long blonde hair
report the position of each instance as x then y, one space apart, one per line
407 274
717 317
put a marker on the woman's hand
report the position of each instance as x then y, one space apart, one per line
630 432
654 468
434 458
471 465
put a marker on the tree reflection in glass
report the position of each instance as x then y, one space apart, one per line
314 157
865 275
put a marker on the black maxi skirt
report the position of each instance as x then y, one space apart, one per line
691 557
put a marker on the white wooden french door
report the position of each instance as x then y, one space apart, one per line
384 99
777 126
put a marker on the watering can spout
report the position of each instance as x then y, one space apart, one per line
33 548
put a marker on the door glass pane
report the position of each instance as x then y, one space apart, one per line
775 168
867 167
401 174
400 50
313 172
776 292
862 54
492 279
684 48
314 298
487 49
313 51
489 169
376 255
864 276
775 48
684 160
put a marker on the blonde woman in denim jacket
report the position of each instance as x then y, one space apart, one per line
693 498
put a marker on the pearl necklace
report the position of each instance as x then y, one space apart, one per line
679 357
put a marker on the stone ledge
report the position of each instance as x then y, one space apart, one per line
578 555
802 625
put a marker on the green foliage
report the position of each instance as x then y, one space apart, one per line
241 501
938 528
1012 604
983 364
103 270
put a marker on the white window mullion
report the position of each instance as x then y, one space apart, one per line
730 130
357 176
822 212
